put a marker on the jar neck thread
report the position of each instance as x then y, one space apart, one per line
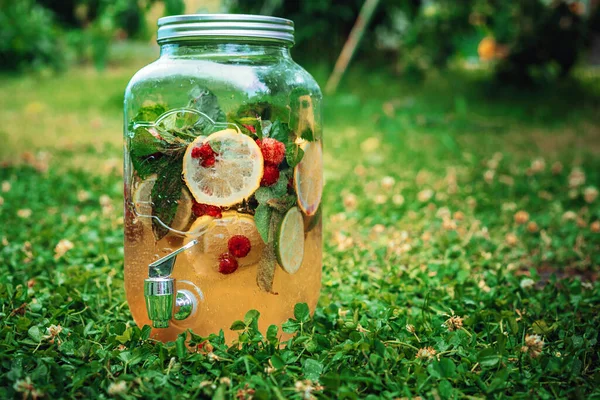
224 50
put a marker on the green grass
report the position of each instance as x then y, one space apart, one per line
402 255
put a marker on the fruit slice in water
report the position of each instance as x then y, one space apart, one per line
142 203
218 231
311 221
306 116
289 241
235 174
308 178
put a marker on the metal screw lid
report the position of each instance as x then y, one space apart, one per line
225 26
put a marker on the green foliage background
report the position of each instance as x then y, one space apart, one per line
450 196
441 238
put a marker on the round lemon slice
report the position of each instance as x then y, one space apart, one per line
142 203
308 178
289 241
215 234
235 174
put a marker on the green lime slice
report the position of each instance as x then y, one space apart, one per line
289 241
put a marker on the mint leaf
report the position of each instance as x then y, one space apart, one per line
207 103
149 113
263 110
280 187
308 134
147 165
246 123
293 154
262 219
165 194
268 261
282 204
276 193
177 122
144 142
263 194
280 131
265 128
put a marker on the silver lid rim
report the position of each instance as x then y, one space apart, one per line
224 26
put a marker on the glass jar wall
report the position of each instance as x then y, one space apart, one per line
223 154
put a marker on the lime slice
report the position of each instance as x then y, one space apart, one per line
216 232
308 178
234 175
289 241
142 203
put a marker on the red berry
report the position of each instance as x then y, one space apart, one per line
200 209
239 246
227 263
208 162
206 154
250 128
204 151
273 150
270 175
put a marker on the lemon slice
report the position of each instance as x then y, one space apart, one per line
142 203
234 176
216 232
289 241
308 178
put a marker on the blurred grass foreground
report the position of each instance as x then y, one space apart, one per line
462 240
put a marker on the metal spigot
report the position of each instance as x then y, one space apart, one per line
159 292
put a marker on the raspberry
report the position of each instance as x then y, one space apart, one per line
270 175
200 209
227 263
206 154
273 150
208 162
239 246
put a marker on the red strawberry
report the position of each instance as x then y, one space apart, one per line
270 175
239 246
273 150
227 263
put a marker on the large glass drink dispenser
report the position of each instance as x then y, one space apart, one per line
223 177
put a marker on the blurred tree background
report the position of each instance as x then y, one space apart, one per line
519 41
523 41
57 33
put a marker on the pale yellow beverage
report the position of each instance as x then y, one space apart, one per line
226 298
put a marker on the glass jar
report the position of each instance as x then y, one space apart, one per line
223 177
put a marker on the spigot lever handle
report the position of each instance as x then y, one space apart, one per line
163 267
